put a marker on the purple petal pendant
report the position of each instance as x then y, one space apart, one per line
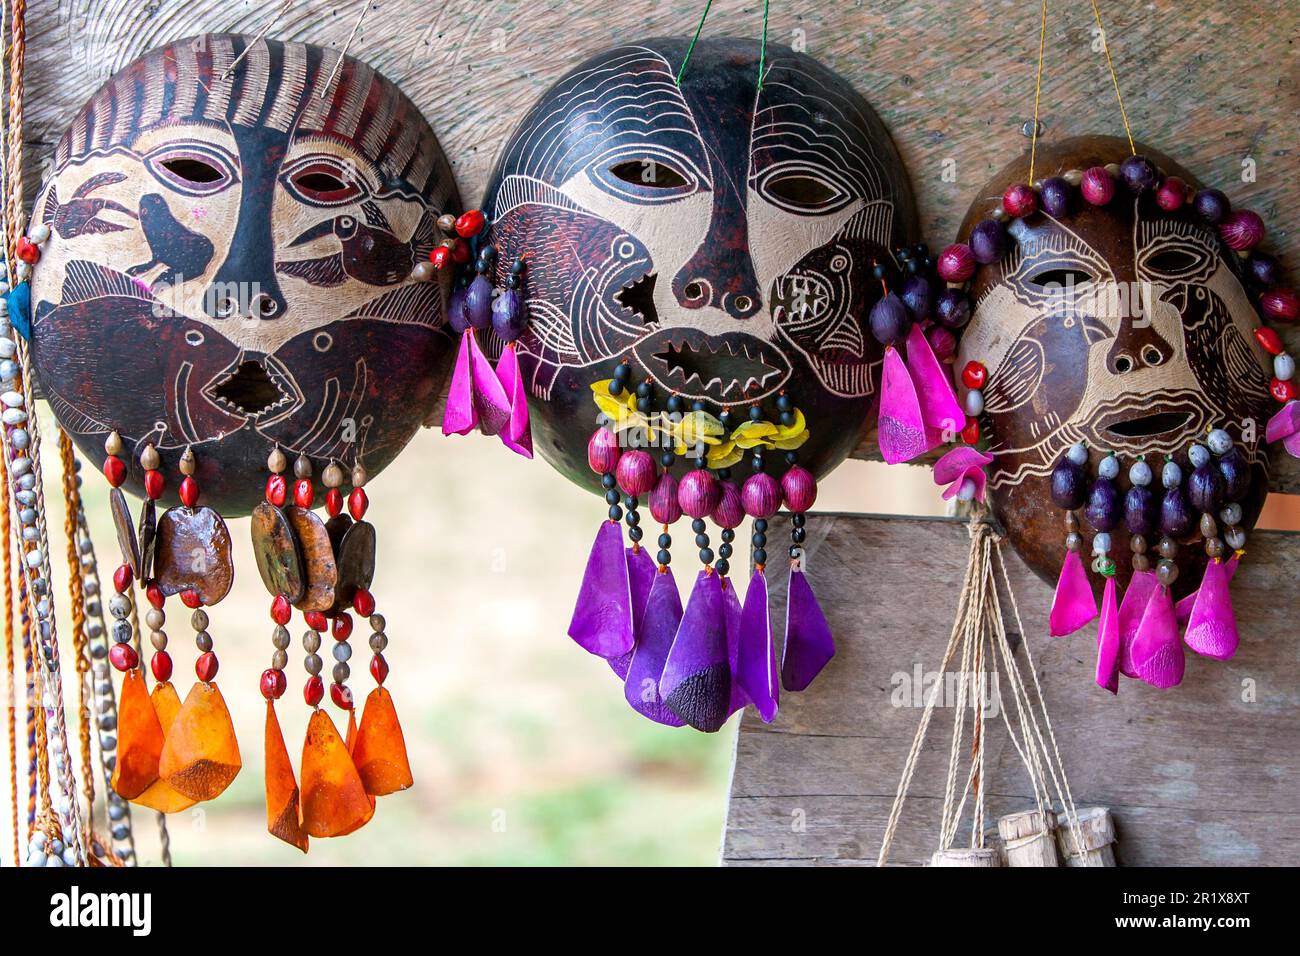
1212 628
640 576
517 436
756 666
490 401
731 613
1157 649
663 615
1108 640
900 431
1073 606
809 645
1131 608
940 409
602 619
696 683
459 417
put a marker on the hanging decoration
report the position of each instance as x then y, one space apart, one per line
688 264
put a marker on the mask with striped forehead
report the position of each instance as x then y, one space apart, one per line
234 224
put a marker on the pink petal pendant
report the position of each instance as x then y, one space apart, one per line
1212 628
1157 650
490 402
1183 609
1073 606
460 417
602 617
940 409
517 436
1131 609
900 430
1108 640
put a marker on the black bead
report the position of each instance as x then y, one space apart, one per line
784 403
796 551
760 524
643 390
727 419
615 513
512 281
698 526
722 567
728 534
667 459
635 533
724 474
724 550
701 462
611 497
699 406
787 418
615 385
633 519
665 557
665 540
517 268
701 541
755 413
643 405
756 463
608 479
760 556
797 520
792 458
798 535
706 555
622 371
631 502
759 539
674 403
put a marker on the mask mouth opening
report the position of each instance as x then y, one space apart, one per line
1146 426
250 388
726 368
638 297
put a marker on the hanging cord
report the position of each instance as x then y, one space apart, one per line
261 33
1110 65
324 90
691 49
77 610
1038 91
762 50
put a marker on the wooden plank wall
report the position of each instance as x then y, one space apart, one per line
1206 773
1214 83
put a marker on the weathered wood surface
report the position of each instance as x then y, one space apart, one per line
1214 84
1206 773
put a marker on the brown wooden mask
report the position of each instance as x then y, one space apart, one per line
229 263
1123 326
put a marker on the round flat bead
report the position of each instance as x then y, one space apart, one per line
956 263
1020 201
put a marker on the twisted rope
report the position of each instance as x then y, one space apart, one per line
77 610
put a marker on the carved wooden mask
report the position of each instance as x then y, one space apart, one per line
229 262
719 236
1123 326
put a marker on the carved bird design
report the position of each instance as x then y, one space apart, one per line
367 253
80 214
1221 358
183 251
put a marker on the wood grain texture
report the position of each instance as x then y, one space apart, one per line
1213 83
1193 775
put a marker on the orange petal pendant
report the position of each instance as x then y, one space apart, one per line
201 755
380 751
351 738
282 810
139 739
334 802
160 796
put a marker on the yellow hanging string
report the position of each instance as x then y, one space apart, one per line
1038 91
77 608
1110 65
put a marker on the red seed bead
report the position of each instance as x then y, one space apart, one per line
603 451
341 695
974 375
273 683
313 690
761 495
1280 304
334 502
303 493
115 470
1283 391
342 628
1269 340
363 602
1172 194
161 665
154 483
190 598
469 223
1019 201
155 595
379 668
971 433
956 263
698 493
27 250
316 620
189 491
635 472
1242 229
440 256
1097 186
799 489
358 503
460 252
281 612
277 490
123 657
122 578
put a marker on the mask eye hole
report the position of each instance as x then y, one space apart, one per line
650 173
1057 278
1172 261
803 192
323 182
191 169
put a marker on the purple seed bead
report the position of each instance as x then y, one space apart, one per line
1205 488
1175 513
664 507
1141 510
456 316
761 495
988 241
1097 186
889 320
698 493
478 302
1263 270
729 511
1056 195
1103 510
1212 206
1069 486
916 296
943 342
1235 471
799 488
635 472
1139 174
603 451
952 308
508 315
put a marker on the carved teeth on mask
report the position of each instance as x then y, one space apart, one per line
252 389
638 297
726 368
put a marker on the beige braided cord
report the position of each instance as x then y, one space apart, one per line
77 610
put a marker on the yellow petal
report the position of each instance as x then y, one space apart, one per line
795 441
789 431
610 406
754 430
719 459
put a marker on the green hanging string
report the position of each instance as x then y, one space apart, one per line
690 49
762 50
